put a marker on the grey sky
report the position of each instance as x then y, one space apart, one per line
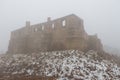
100 16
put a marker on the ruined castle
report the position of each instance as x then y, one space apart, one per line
60 34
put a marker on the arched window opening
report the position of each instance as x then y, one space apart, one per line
42 27
53 26
63 23
35 29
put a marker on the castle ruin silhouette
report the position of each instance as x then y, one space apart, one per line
60 34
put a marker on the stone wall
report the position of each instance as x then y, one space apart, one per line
59 34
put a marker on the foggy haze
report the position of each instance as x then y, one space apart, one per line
100 16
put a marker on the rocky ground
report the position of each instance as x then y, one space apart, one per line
58 65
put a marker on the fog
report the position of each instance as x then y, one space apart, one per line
100 16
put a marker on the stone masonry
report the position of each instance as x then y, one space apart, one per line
60 34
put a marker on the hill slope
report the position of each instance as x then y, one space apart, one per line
63 65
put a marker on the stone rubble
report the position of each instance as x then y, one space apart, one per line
64 65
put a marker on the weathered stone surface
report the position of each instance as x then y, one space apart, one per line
60 34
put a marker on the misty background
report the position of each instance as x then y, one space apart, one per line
100 16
